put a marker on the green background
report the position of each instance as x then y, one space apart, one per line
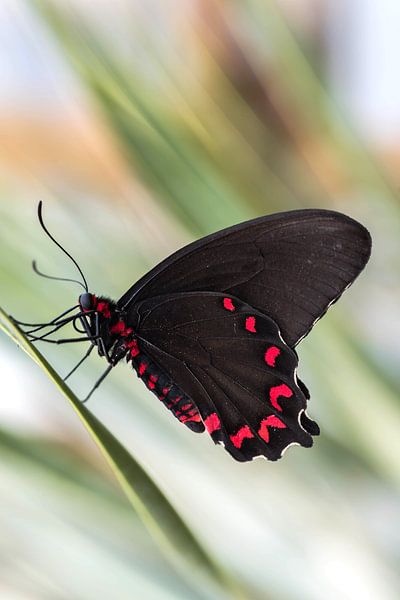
178 123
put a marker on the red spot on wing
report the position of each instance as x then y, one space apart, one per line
228 304
244 432
212 423
271 421
142 369
174 401
195 418
271 355
276 392
251 324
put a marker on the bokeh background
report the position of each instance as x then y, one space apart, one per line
142 126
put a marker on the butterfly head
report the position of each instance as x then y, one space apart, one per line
105 325
87 302
98 315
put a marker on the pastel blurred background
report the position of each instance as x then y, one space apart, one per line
142 126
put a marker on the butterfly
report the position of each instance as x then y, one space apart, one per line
212 330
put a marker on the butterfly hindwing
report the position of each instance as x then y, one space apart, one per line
290 266
234 365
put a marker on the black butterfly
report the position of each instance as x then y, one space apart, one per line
212 329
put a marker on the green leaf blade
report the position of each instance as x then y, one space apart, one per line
171 533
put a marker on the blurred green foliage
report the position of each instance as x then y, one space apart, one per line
166 527
238 125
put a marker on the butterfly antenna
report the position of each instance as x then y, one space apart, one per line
84 284
35 268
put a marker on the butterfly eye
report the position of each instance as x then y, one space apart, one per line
86 301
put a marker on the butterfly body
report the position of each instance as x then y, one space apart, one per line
118 339
218 349
212 329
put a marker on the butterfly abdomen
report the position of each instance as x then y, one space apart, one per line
170 394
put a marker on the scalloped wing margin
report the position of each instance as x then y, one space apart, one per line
233 363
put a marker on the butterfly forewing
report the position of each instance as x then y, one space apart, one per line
290 266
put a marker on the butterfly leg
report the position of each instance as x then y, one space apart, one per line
79 363
119 352
98 382
45 335
99 341
52 322
66 341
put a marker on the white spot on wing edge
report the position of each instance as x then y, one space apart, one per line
288 446
259 456
282 453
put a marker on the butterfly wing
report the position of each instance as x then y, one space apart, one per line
290 266
231 360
